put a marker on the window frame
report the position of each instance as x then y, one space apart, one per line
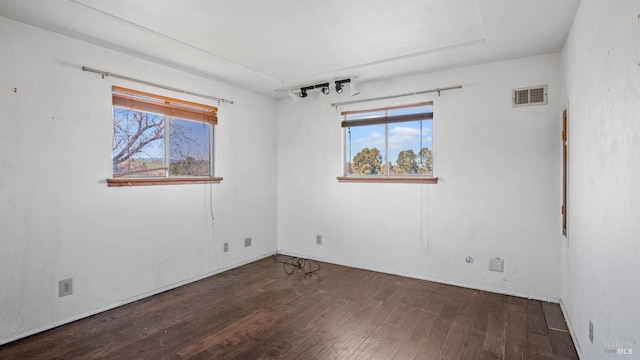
169 108
384 120
565 172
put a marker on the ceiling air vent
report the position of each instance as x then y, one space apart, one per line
536 95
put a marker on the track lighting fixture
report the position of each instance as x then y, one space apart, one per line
324 87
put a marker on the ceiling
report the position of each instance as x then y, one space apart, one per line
272 45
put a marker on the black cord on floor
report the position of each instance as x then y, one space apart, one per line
292 263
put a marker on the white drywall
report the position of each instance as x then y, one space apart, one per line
58 218
601 257
498 193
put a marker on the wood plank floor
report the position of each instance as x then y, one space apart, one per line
258 312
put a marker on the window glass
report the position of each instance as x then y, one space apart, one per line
138 143
410 147
365 150
395 141
189 148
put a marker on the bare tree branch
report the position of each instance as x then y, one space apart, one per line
136 130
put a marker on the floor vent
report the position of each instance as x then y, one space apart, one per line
536 95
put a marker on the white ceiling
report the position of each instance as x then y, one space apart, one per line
269 45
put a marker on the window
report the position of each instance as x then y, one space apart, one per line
392 144
160 140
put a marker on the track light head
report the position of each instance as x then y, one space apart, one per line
303 90
323 87
341 83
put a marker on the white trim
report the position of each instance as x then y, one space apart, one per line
572 332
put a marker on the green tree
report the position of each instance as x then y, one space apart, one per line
407 163
383 168
367 162
426 161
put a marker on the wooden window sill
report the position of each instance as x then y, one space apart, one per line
162 181
389 179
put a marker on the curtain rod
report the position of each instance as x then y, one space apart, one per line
438 90
104 73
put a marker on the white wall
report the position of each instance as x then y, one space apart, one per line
58 218
601 257
498 193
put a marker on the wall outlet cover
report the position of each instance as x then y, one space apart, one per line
247 242
496 264
318 239
225 247
65 287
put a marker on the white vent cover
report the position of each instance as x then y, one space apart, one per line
536 95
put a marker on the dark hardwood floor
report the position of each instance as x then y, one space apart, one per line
258 312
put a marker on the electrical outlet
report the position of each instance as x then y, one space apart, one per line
496 264
225 247
65 287
247 242
590 331
318 239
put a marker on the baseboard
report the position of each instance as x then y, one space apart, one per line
572 332
441 281
131 299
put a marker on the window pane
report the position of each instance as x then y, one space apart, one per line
410 145
138 143
365 150
189 148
